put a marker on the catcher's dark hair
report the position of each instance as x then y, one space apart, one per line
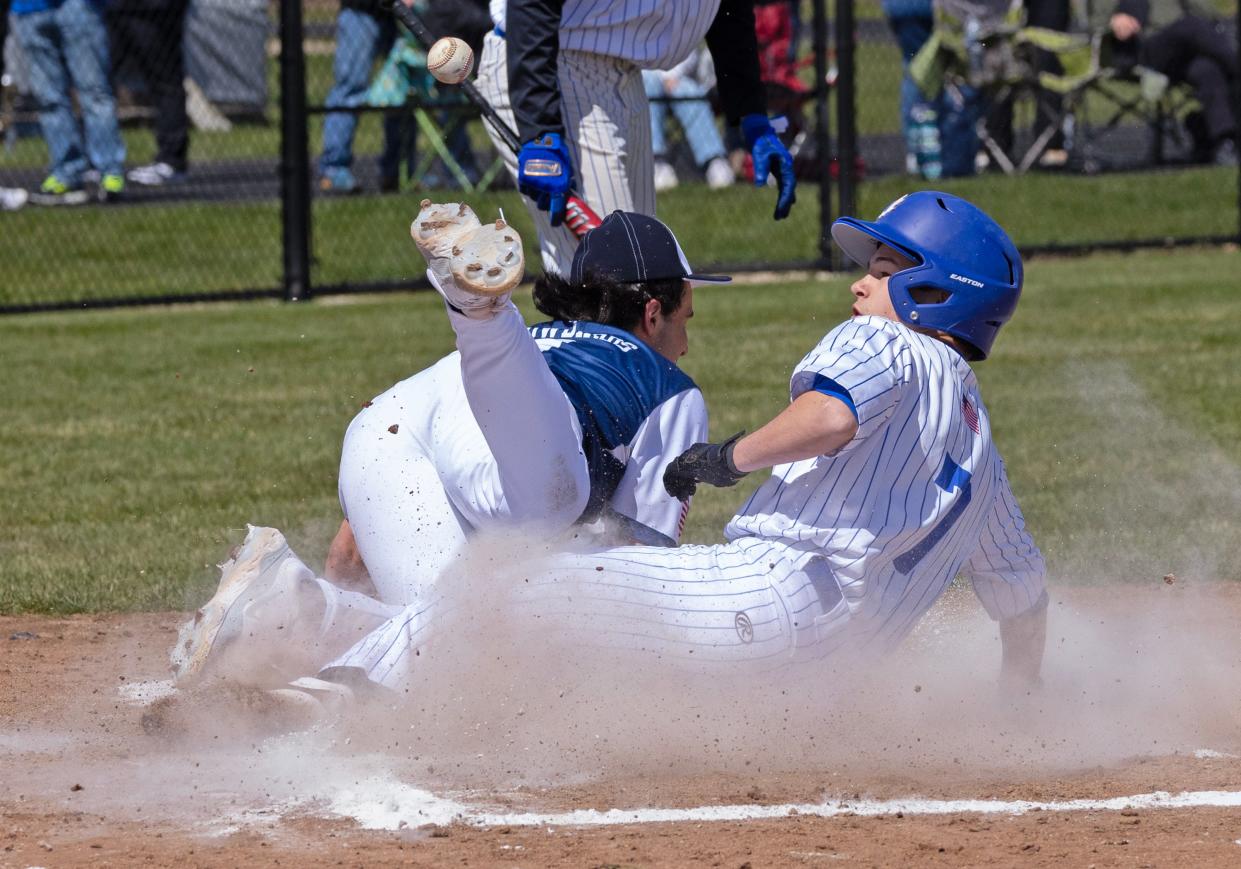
601 300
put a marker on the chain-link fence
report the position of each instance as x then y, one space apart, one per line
195 149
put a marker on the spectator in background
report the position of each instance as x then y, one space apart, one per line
404 74
695 117
4 30
365 31
67 47
150 36
776 26
911 22
11 198
940 139
1050 15
1189 48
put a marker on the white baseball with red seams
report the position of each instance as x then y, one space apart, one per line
450 60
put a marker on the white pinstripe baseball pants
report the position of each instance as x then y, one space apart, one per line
608 128
750 605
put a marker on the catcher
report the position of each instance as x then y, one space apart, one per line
568 424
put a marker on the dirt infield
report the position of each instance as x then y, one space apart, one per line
1140 703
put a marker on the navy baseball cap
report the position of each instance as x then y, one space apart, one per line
633 248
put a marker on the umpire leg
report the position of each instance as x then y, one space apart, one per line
607 126
156 41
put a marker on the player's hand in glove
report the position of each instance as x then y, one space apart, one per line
770 155
545 174
702 463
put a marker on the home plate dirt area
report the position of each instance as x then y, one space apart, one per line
1128 755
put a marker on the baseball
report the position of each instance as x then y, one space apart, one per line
450 60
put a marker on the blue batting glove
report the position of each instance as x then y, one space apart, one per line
770 154
545 174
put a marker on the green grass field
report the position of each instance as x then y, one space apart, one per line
138 442
75 254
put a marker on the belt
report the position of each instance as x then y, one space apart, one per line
498 31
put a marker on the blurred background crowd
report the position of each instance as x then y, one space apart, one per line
177 101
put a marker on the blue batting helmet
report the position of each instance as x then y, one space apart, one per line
958 249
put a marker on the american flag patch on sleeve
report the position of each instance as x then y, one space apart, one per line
971 415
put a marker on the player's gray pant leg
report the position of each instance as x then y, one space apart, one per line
749 606
526 418
608 130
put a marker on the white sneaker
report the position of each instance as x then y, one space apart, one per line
720 174
258 595
12 198
474 267
155 175
665 176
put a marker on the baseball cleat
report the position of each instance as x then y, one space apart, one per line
261 578
438 225
492 260
488 261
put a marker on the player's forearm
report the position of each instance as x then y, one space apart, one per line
1024 638
533 37
813 425
734 49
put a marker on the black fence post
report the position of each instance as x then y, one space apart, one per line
846 106
823 131
294 156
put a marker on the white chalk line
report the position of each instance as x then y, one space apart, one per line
384 804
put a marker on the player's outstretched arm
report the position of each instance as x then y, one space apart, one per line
1024 638
813 425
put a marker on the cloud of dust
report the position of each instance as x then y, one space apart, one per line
1146 674
1134 667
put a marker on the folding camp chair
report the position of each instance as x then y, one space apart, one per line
404 81
997 58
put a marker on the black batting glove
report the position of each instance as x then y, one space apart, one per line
702 463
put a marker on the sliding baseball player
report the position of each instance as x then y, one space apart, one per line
570 423
885 485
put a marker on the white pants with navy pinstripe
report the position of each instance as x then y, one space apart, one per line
608 131
750 605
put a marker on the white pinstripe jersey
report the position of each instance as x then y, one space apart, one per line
652 34
919 495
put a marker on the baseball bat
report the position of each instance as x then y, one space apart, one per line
578 216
